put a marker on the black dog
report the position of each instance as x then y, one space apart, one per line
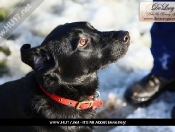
64 79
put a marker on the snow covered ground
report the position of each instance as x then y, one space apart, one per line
103 15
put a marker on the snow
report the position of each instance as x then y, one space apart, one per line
113 80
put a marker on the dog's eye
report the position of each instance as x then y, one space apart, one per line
82 42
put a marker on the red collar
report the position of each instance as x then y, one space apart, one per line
94 103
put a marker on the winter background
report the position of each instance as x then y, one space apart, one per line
103 15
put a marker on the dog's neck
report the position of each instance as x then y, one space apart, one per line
79 91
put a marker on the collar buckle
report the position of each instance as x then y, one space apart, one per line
84 104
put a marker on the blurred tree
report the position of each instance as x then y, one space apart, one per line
3 67
3 14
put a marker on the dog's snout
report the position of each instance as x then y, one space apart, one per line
124 36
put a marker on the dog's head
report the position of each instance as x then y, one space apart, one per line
73 51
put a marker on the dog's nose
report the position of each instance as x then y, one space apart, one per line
124 36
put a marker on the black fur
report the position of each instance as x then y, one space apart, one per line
62 68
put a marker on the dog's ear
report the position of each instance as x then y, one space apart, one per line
27 55
34 58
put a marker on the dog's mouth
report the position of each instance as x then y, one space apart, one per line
117 51
122 44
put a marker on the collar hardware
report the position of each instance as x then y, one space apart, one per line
92 102
88 104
